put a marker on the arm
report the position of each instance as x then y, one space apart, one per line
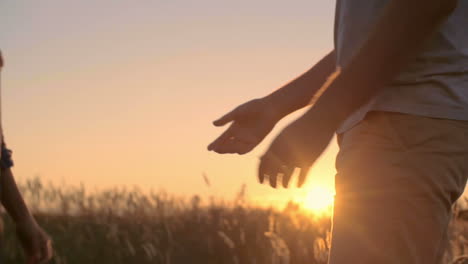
9 194
397 37
12 199
254 120
36 243
299 92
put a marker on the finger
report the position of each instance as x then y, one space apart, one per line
50 249
261 171
279 174
273 177
243 147
265 169
226 118
46 251
302 176
246 148
226 135
232 146
234 140
244 140
288 171
273 167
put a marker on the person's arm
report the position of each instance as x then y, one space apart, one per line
36 243
11 198
254 120
299 92
397 37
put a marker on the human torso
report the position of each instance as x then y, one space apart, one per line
434 84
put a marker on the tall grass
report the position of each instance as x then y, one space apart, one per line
128 226
122 225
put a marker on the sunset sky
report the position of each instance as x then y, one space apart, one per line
114 93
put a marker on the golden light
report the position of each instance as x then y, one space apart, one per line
319 200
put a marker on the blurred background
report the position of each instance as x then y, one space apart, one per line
108 106
123 93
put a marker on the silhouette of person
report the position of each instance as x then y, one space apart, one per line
34 240
395 91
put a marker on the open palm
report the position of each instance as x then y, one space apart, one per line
251 123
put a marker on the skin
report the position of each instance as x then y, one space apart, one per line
254 120
36 244
406 24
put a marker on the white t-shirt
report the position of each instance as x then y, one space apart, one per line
434 84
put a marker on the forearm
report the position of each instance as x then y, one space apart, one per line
11 198
299 92
397 37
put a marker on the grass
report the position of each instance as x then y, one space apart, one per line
127 226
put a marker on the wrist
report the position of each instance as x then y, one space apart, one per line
336 103
327 119
275 108
25 220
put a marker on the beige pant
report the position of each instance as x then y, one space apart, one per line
397 177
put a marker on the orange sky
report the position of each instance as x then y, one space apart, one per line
123 92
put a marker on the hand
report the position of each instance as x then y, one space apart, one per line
36 243
251 123
297 146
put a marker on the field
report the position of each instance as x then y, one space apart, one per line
127 226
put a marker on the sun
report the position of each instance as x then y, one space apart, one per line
319 200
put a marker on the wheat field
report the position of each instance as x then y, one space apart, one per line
129 226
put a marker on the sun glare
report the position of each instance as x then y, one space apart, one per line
319 200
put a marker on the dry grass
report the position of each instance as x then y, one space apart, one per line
127 226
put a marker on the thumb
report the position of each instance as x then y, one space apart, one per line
302 176
226 118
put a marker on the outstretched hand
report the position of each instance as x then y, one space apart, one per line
297 146
251 123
